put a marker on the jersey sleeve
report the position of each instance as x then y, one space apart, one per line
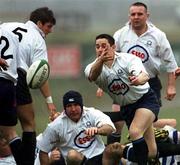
39 50
117 42
48 140
166 54
135 66
88 69
100 119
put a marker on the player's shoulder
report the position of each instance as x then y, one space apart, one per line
59 121
122 30
155 29
125 56
92 111
88 109
8 35
12 25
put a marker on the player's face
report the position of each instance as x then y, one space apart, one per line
103 45
74 111
138 17
46 28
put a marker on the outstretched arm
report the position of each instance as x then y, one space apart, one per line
104 130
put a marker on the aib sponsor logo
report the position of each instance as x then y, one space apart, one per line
140 52
83 141
117 86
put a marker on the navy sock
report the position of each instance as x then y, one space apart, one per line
140 151
114 137
28 148
15 146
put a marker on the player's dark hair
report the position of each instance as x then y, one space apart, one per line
43 14
106 36
140 4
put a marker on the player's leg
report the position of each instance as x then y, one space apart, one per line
14 141
142 123
116 137
8 117
156 86
26 117
160 123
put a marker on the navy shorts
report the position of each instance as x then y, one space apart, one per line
148 101
23 94
8 111
156 85
96 160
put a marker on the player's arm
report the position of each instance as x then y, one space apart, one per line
140 79
44 158
171 86
177 72
104 130
95 70
3 64
47 95
170 64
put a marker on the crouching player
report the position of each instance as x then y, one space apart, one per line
76 133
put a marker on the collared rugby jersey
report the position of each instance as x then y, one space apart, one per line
115 80
152 48
9 51
66 134
32 46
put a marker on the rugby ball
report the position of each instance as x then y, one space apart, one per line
37 74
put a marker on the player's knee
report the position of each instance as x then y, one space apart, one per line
135 133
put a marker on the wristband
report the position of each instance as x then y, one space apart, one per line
49 100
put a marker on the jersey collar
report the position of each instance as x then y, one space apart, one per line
33 25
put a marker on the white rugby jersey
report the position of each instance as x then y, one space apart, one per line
152 48
9 160
9 51
115 81
66 134
32 46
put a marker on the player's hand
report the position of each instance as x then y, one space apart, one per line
99 92
51 107
53 116
177 73
55 155
106 54
3 64
170 93
134 80
91 131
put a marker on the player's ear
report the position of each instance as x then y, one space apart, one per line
39 24
148 14
114 46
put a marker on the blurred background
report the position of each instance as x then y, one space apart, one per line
71 45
